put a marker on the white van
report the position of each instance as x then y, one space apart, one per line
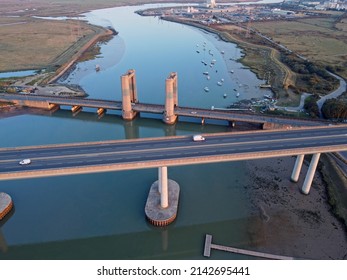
197 138
25 161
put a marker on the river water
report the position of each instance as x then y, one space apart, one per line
101 216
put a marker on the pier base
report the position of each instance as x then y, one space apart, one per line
6 204
170 119
157 215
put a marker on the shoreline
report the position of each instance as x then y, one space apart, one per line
70 63
289 222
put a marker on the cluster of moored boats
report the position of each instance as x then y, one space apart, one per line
221 81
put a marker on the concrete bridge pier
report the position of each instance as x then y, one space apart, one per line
101 111
163 187
53 107
310 173
162 202
129 94
171 99
297 168
76 108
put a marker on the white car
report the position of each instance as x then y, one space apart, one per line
197 138
25 161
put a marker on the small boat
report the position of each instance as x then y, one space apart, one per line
97 67
205 73
206 89
207 77
237 94
225 95
198 51
222 80
231 71
219 83
213 61
222 52
268 96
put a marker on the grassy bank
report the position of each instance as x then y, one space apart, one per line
336 183
38 44
322 39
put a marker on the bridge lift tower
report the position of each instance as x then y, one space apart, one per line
129 94
171 100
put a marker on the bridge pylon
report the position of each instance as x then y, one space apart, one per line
129 94
171 99
162 202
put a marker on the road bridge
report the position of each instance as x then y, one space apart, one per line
161 207
171 111
79 158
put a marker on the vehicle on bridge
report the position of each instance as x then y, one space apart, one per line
197 138
25 161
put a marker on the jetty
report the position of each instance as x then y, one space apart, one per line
209 245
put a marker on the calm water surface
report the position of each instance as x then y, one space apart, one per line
101 216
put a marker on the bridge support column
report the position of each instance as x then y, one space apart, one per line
101 111
310 174
53 107
129 94
297 168
171 99
162 202
163 187
76 108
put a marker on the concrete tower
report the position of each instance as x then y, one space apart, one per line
129 94
171 99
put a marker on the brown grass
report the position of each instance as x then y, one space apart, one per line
38 43
322 40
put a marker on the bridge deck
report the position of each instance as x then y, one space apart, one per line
103 156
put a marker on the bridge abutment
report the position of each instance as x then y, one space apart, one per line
171 99
162 202
129 94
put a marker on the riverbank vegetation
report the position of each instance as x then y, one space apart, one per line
335 108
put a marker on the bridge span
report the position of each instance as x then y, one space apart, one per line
79 158
171 111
